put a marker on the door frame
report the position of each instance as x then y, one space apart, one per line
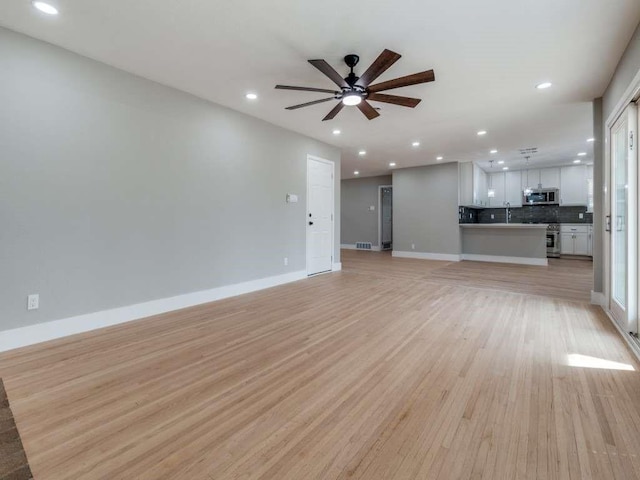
631 94
380 187
333 214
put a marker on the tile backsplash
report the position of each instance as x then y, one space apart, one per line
526 214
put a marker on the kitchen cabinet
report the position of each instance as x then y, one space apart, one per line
513 188
497 184
574 239
573 185
507 188
480 189
590 240
472 188
589 188
541 178
550 177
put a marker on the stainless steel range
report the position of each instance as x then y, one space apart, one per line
553 240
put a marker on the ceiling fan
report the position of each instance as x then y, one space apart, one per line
356 91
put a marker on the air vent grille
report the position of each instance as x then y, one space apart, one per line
363 245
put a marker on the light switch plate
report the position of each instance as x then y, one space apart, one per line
292 198
372 208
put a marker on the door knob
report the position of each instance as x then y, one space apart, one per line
310 223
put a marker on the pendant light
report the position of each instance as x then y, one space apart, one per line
527 188
491 193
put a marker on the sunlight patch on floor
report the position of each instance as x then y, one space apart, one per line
585 361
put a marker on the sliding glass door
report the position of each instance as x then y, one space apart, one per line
622 221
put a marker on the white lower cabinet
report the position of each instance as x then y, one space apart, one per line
574 239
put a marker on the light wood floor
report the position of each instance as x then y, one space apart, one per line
390 369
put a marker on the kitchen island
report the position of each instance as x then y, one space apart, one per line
522 243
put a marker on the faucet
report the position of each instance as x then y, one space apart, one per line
508 215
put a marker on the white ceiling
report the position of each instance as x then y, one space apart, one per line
487 56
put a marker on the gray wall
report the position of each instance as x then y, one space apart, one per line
624 74
359 224
115 190
598 179
626 69
425 209
510 242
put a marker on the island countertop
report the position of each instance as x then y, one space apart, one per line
504 225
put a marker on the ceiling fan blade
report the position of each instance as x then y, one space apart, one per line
394 99
335 111
308 104
328 70
414 79
378 67
306 89
366 108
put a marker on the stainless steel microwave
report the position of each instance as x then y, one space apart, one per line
541 196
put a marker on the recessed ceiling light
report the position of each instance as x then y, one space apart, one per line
505 168
493 151
251 96
591 139
336 132
543 85
356 172
362 152
46 8
577 160
482 132
439 158
582 154
415 144
392 164
500 162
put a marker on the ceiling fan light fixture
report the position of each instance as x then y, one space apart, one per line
351 99
45 8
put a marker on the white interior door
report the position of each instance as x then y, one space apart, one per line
622 221
319 215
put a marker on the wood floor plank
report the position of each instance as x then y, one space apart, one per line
391 369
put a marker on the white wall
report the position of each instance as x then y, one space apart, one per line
115 190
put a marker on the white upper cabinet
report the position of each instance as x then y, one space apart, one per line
497 184
541 178
513 188
590 188
550 177
530 178
480 196
573 185
473 188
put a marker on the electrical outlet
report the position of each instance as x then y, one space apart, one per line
581 216
493 216
33 302
413 246
286 261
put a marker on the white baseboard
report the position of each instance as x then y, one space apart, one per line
625 336
426 256
336 267
543 262
352 246
42 332
597 298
